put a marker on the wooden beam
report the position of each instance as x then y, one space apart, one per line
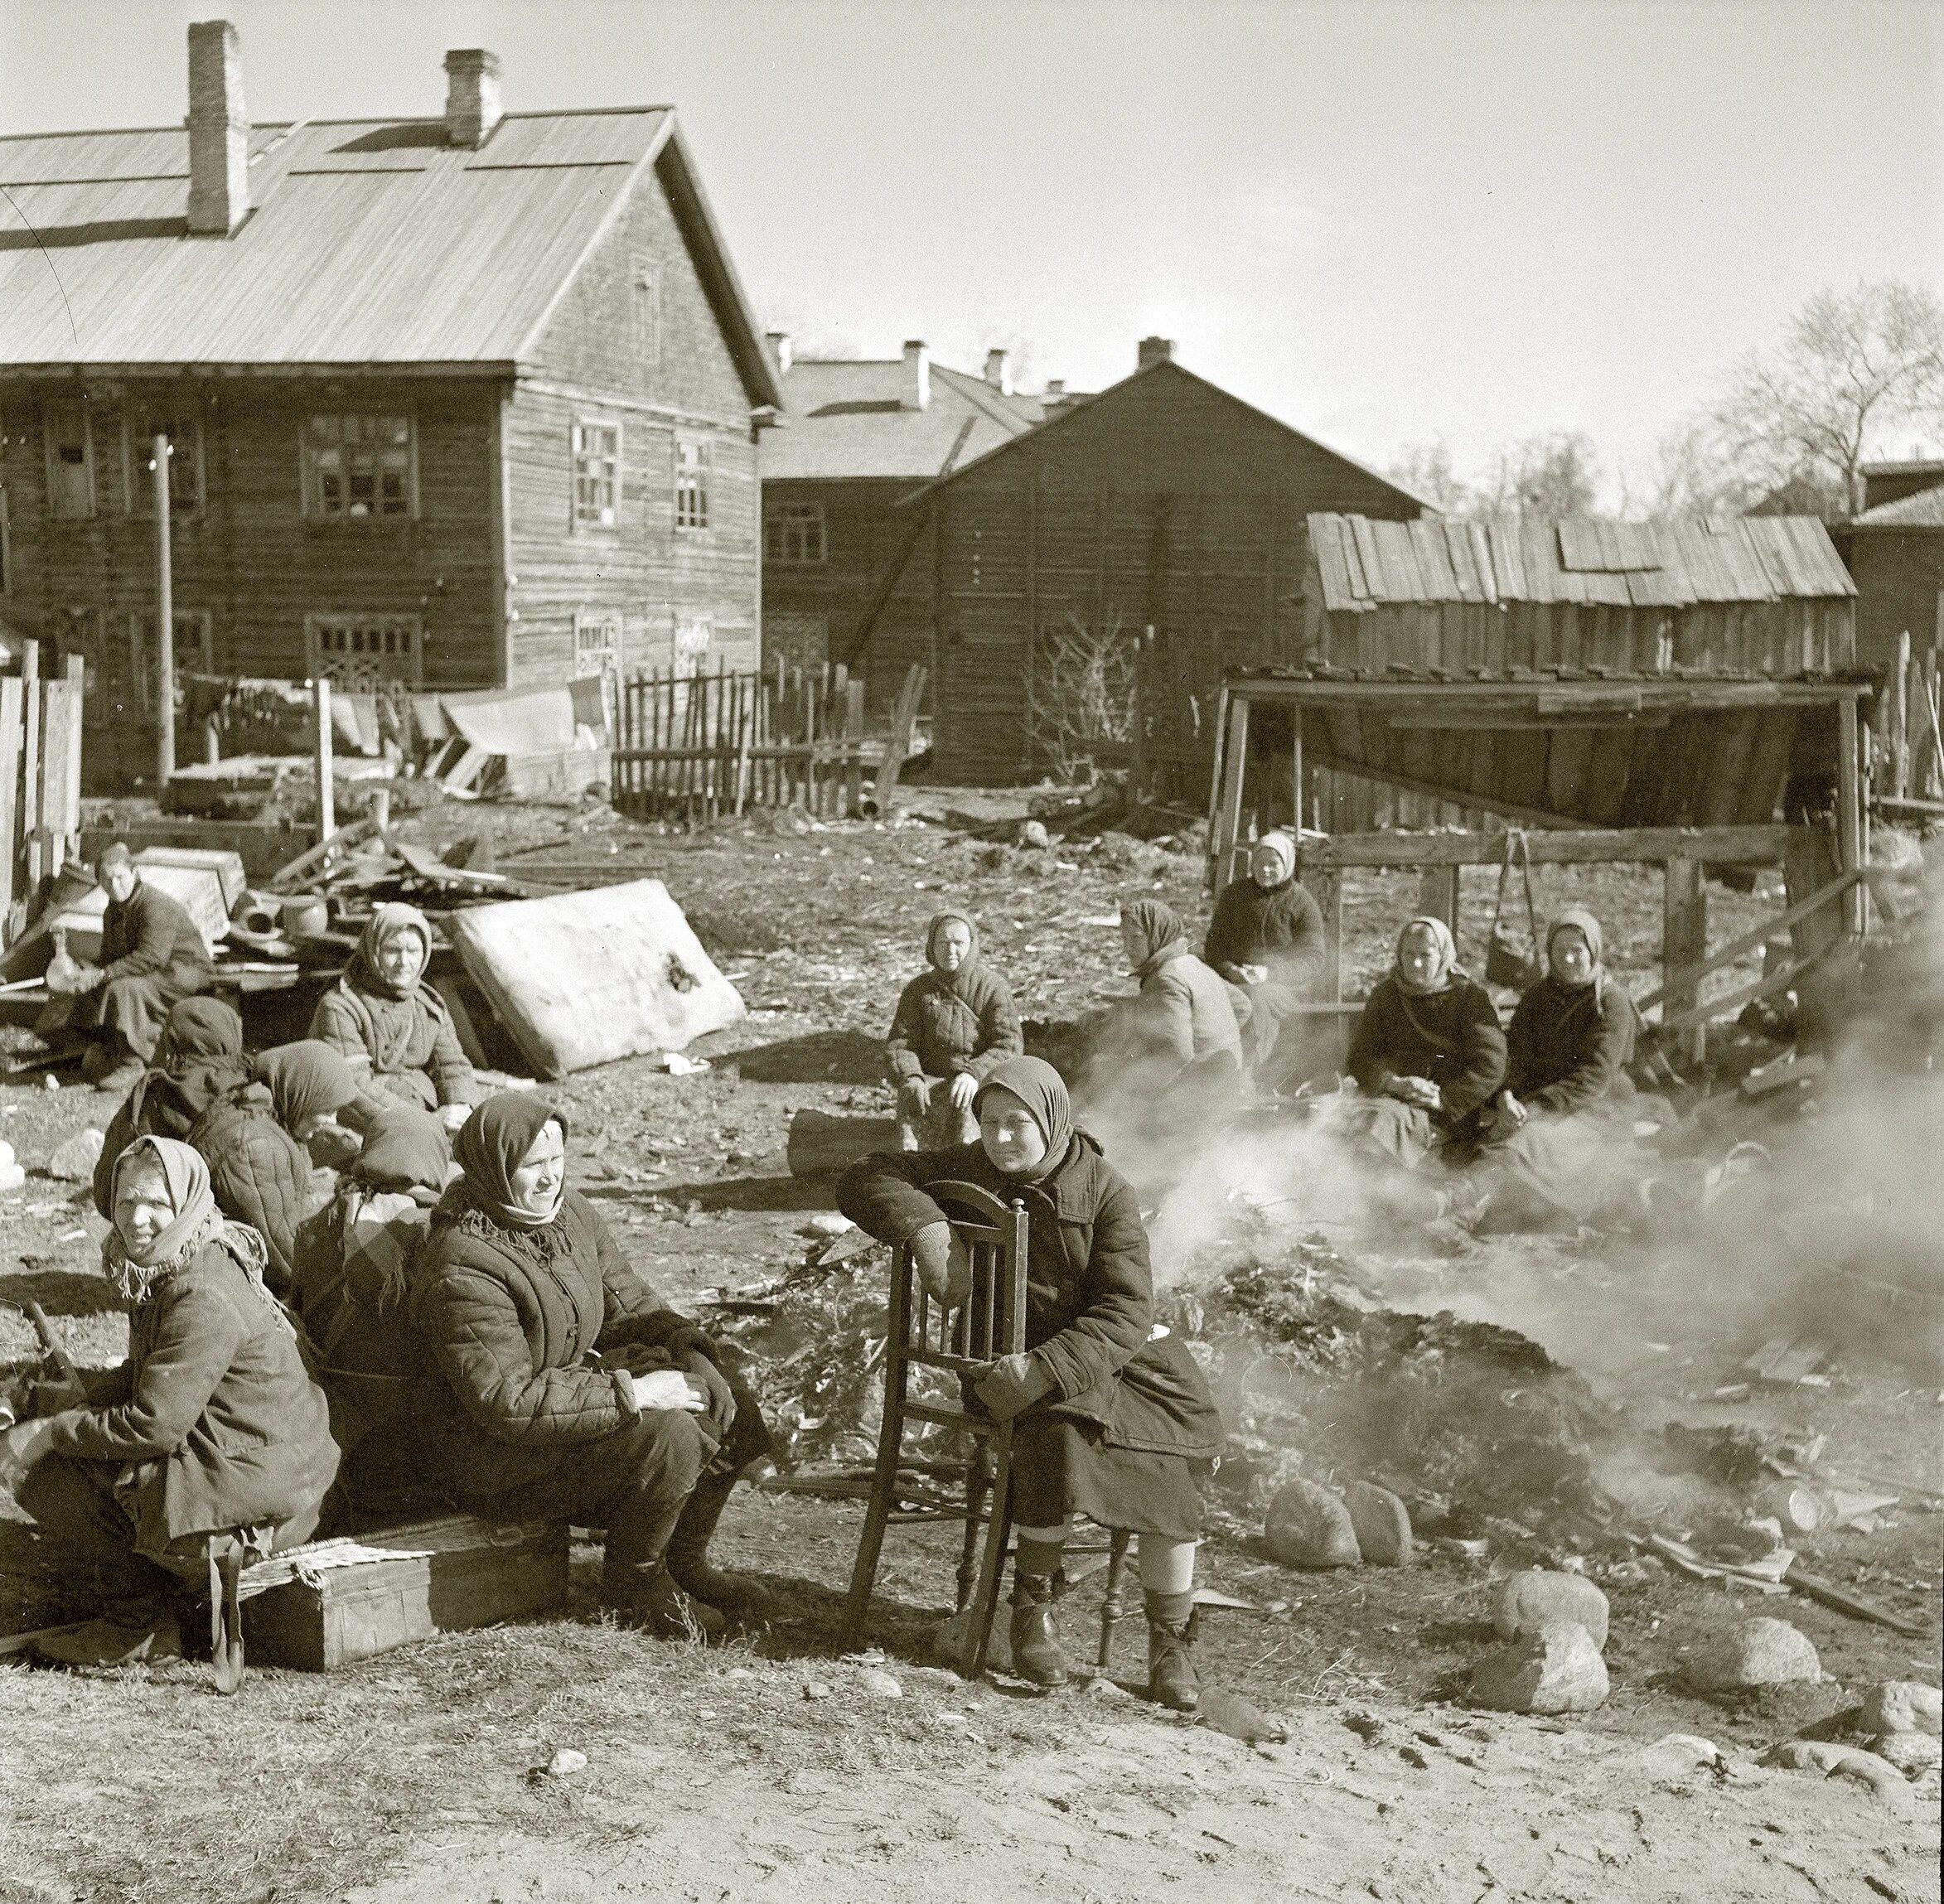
1458 797
1673 693
323 745
1753 940
1849 811
1235 760
1684 944
1644 846
1438 894
1513 720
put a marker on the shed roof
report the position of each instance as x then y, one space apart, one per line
1367 564
1925 509
845 418
371 242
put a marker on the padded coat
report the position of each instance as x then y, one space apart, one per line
940 1028
402 1049
1568 1046
1281 929
1186 1010
1453 1037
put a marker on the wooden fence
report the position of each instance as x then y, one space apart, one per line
40 781
1906 735
693 747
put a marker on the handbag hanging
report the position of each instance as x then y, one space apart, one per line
1505 964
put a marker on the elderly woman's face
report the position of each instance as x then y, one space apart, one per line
1009 1132
1571 956
949 944
1267 865
536 1179
1418 957
142 1206
402 957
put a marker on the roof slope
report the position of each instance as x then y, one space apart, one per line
1367 564
1925 509
846 418
371 242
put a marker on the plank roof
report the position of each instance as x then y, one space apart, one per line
1366 563
371 242
1925 509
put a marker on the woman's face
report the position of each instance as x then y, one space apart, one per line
1009 1133
402 957
142 1206
950 943
536 1180
1130 941
1417 958
1267 866
1571 956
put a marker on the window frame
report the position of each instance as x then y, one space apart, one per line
137 432
776 552
322 664
312 475
645 311
143 663
52 406
595 521
692 517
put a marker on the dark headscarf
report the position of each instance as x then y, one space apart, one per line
489 1147
951 981
198 1062
1159 933
1043 1092
404 1150
387 922
308 1078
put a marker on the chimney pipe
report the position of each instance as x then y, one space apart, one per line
999 371
1154 350
1056 386
218 131
780 350
472 95
917 390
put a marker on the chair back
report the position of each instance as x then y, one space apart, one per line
991 1322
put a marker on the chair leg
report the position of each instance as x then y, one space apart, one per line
890 1435
998 1527
978 1499
1114 1604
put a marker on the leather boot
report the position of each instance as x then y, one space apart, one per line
649 1598
1172 1681
1036 1646
687 1560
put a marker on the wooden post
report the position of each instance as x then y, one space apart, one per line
1900 719
1684 942
13 732
165 619
1326 887
1438 894
322 741
1849 811
1296 762
27 821
1225 822
853 743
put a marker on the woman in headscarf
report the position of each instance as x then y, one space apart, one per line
1112 1416
393 1026
210 1446
311 1085
1428 1052
563 1385
1186 1011
953 1023
1267 938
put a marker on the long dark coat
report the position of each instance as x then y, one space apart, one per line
1568 1046
1281 929
406 1047
1453 1037
1089 1295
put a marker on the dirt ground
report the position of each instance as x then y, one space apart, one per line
778 1769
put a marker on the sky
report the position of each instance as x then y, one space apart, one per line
1472 220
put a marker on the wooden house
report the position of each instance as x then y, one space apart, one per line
460 402
1895 545
1162 514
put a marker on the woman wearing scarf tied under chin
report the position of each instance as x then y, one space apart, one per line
394 1027
1428 1052
1112 1417
210 1446
563 1387
953 1023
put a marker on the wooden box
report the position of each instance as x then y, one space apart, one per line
451 1574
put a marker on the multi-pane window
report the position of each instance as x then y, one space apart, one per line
184 430
691 483
189 652
692 640
793 535
70 460
596 475
645 289
358 467
364 653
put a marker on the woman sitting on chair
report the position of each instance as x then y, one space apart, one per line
953 1023
1112 1415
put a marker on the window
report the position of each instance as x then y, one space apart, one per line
691 483
644 288
359 467
691 639
793 537
597 656
184 430
190 653
70 460
596 475
364 653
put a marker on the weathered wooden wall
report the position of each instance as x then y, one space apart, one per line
1899 588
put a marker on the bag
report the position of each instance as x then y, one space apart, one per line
1505 964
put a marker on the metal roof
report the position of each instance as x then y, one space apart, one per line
846 418
1367 564
1925 509
370 242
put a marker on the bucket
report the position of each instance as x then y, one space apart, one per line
305 916
257 911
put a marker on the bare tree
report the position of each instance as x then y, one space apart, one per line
1689 474
1852 368
1551 476
1082 695
1427 470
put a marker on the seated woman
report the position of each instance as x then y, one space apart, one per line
311 1087
1428 1052
564 1388
394 1027
1267 938
209 1446
1186 1012
1113 1418
953 1024
152 954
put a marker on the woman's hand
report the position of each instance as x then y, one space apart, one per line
965 1087
1418 1091
918 1092
1013 1383
452 1116
945 1271
668 1389
20 1447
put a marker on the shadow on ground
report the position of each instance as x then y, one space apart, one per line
816 1058
61 1291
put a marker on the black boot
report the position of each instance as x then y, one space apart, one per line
646 1596
1036 1646
688 1552
1170 1661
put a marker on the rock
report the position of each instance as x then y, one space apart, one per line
1529 1602
1382 1523
1683 1752
1911 1752
1033 835
815 1689
75 1161
1558 1669
1309 1526
948 1641
12 1178
1759 1652
1901 1706
566 1762
1241 1718
829 1223
883 1685
1837 1762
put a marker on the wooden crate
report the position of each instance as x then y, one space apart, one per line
452 1574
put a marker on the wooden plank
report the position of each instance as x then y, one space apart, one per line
1684 939
1759 937
1643 846
12 733
1849 813
27 821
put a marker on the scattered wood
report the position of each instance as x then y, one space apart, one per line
1840 1599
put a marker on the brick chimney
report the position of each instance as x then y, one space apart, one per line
1155 350
780 350
218 131
472 95
999 371
917 390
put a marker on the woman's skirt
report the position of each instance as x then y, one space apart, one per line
1061 1468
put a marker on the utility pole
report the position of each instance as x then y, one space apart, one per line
165 618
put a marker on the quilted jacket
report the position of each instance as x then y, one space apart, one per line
940 1028
150 935
402 1048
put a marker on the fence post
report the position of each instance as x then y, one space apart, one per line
1684 943
322 746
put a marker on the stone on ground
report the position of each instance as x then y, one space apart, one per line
1557 1669
1529 1602
1382 1523
1901 1706
1758 1652
948 1641
1909 1752
74 1162
1837 1762
1309 1526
